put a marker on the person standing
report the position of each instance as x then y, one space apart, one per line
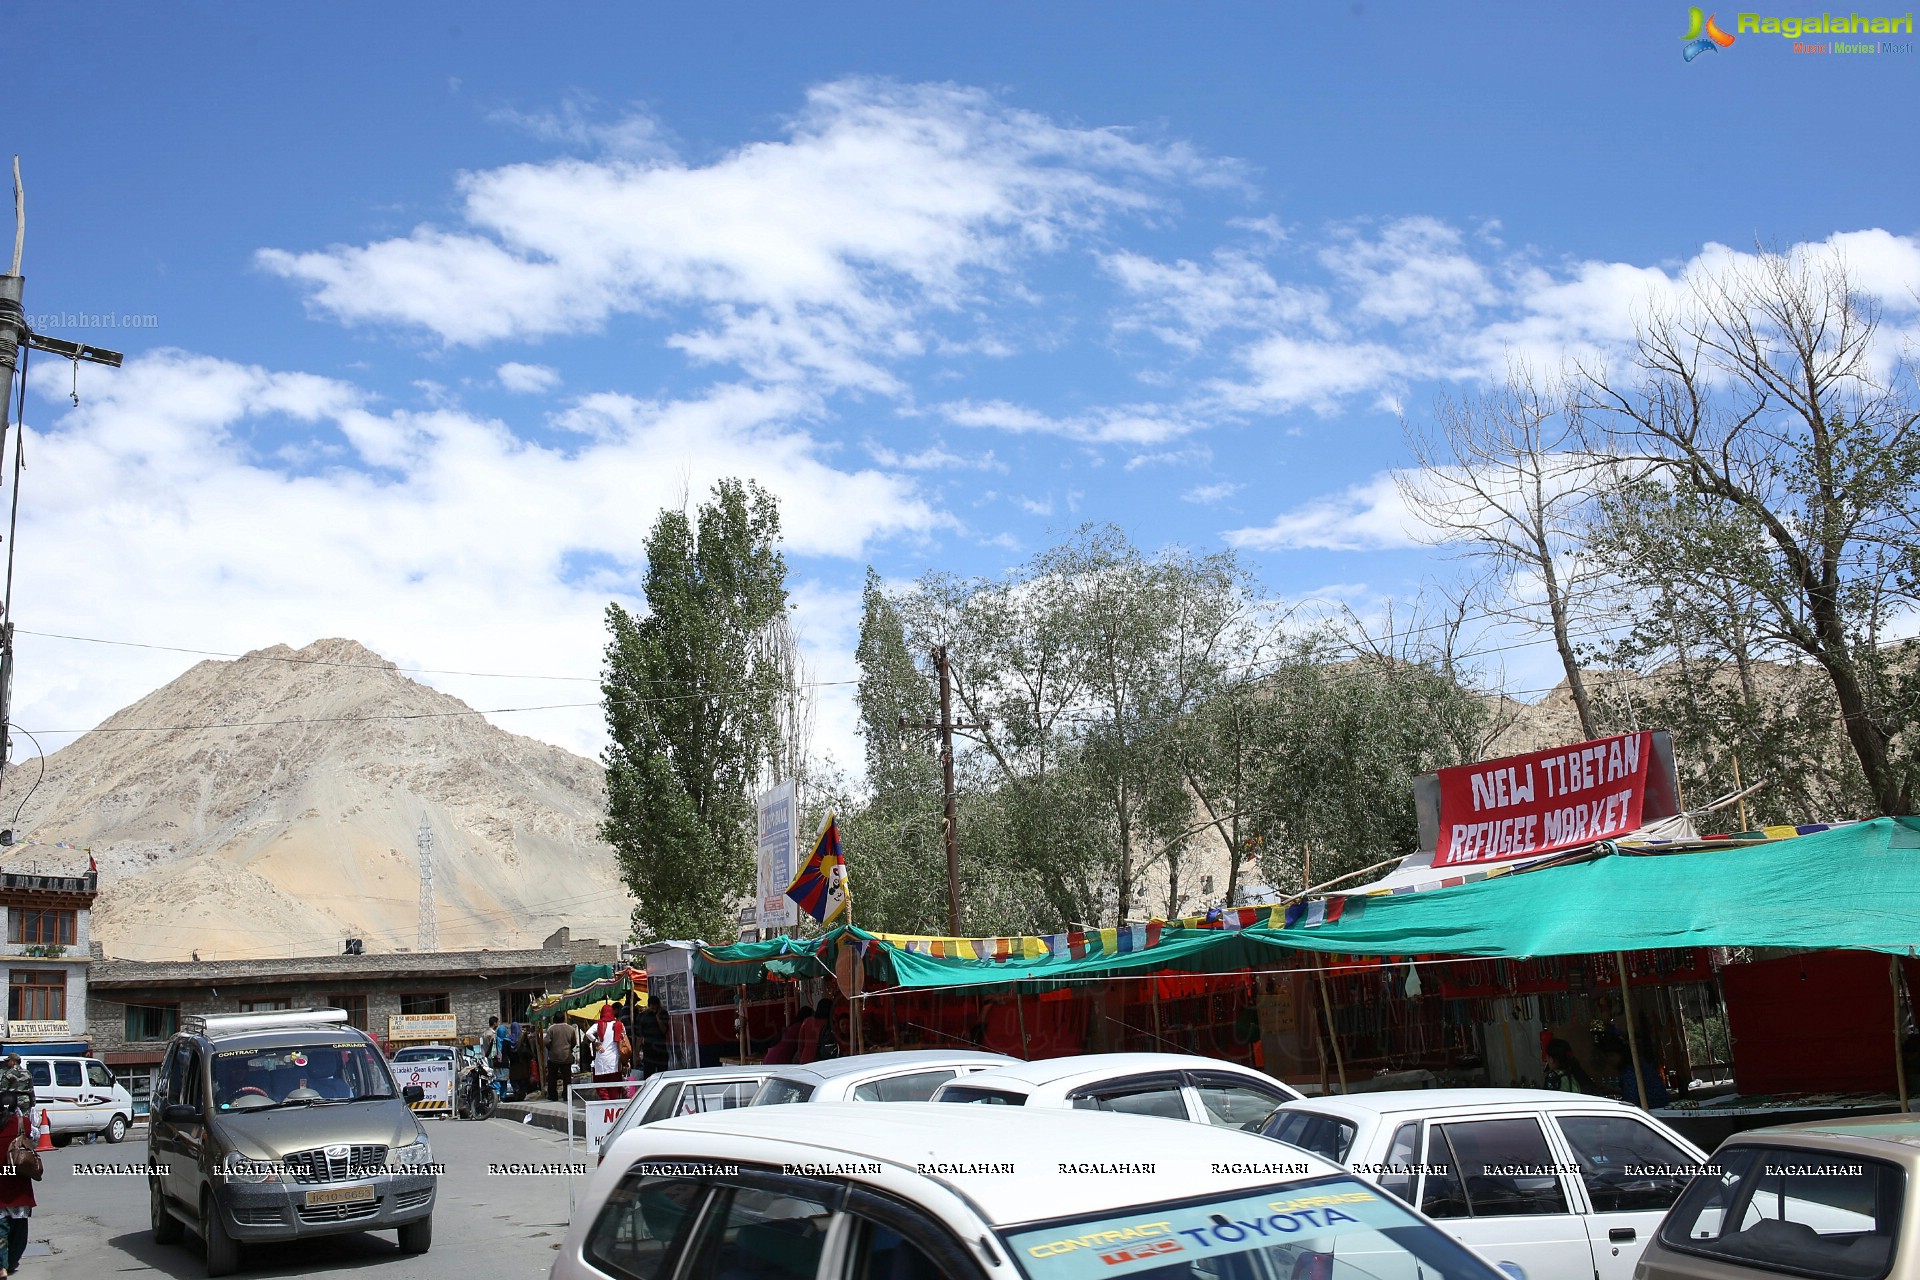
656 1046
605 1038
563 1038
16 1184
520 1064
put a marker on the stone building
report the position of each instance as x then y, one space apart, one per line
49 948
445 996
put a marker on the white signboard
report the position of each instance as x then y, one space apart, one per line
776 849
60 1030
604 1113
435 1078
422 1026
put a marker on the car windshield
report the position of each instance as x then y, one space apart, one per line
423 1055
1330 1229
298 1074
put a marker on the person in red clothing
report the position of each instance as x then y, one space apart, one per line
802 1030
16 1191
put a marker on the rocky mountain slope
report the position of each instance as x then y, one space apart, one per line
270 805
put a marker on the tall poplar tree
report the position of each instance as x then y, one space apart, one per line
693 700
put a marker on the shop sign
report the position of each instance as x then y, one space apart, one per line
57 1030
1522 806
422 1026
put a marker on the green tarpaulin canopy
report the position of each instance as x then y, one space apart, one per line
1853 887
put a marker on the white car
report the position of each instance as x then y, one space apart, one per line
1174 1086
929 1192
690 1091
80 1096
909 1075
1558 1184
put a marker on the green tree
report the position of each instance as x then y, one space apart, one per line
1768 396
695 695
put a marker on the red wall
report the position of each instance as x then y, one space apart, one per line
1820 1022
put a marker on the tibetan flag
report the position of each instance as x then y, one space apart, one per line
820 886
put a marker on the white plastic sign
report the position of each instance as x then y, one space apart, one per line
435 1078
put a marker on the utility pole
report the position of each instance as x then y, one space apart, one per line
14 335
945 727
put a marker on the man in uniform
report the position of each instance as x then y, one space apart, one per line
15 1080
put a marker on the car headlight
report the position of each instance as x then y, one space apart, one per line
414 1155
244 1168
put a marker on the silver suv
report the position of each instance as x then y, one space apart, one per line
280 1126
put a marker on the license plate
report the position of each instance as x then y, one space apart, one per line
339 1195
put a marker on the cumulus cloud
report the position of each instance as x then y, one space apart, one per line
1368 516
527 379
823 254
436 537
1119 424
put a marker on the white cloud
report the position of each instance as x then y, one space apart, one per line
933 457
1208 494
465 547
527 379
1414 270
822 254
1287 373
1122 424
1369 516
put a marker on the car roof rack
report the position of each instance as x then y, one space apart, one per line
226 1024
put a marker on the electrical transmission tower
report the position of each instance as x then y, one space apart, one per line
429 939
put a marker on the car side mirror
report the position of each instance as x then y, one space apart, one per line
180 1113
414 1093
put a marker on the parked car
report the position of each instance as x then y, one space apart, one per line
691 1091
1558 1184
1175 1086
281 1126
931 1192
909 1075
80 1096
1830 1198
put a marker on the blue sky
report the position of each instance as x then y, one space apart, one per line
433 307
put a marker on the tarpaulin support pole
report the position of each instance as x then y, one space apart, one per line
1333 1038
1020 1009
1637 1067
1899 1036
1153 991
740 1011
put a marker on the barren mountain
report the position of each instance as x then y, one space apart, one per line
271 806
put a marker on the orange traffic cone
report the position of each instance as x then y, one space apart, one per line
46 1134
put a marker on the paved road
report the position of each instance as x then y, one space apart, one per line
491 1226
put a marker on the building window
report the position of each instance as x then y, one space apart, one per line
426 1002
514 1004
152 1021
37 995
276 1005
355 1008
41 926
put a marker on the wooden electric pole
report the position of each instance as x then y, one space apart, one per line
945 727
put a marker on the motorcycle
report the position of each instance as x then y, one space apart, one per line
476 1097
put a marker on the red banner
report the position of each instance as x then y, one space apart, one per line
1532 804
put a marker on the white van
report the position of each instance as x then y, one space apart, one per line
79 1096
